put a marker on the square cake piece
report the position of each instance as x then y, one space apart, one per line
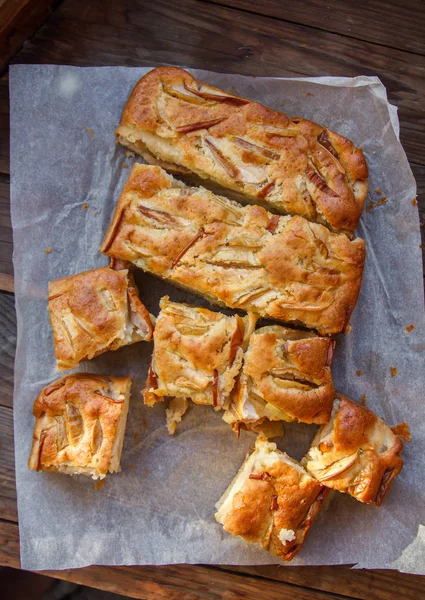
96 311
282 268
291 166
355 453
197 355
286 376
272 501
80 425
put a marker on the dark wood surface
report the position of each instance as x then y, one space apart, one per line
18 21
267 37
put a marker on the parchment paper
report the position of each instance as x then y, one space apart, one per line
160 508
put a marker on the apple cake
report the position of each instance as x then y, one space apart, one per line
96 311
272 501
80 424
286 376
355 453
291 166
282 268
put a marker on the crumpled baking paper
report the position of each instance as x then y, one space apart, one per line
67 173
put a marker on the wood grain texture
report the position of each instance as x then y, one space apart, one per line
8 509
7 348
199 34
18 20
190 582
369 20
4 125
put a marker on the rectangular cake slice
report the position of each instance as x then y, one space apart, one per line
286 376
291 166
355 453
80 425
282 268
272 501
96 311
197 355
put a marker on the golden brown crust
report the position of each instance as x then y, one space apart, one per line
197 354
272 501
80 422
93 312
286 376
291 166
357 453
284 268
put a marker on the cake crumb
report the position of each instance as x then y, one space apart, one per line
393 371
99 484
359 373
414 202
309 94
402 429
382 201
130 467
370 206
124 165
85 206
90 131
129 153
136 437
47 250
409 328
378 191
144 422
363 400
95 213
147 471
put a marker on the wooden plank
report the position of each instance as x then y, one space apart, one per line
4 126
356 583
6 247
199 34
181 582
7 348
370 20
18 20
7 283
8 509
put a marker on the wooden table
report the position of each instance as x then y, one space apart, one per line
266 37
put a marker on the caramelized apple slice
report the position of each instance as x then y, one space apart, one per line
335 468
217 96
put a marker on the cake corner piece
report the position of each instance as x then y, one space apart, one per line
96 311
356 453
271 501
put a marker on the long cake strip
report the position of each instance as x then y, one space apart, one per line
278 267
291 166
